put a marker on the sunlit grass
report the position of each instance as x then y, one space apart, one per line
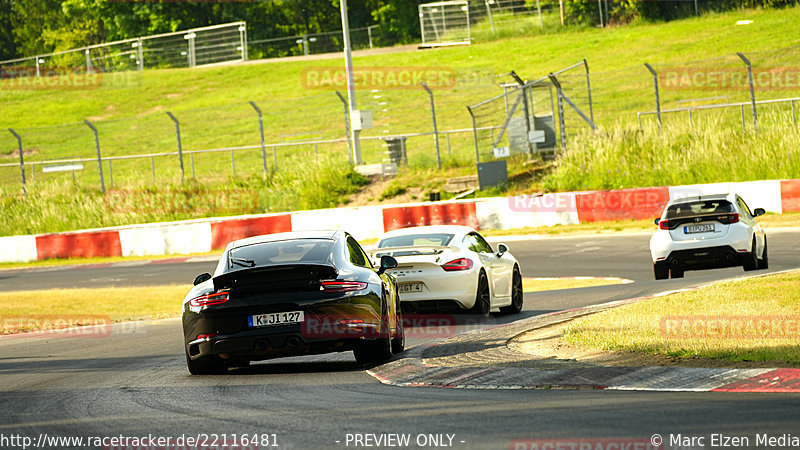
766 311
24 311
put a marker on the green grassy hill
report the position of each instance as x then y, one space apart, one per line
211 103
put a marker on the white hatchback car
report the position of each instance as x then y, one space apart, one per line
451 267
707 232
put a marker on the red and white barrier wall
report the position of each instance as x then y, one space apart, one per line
204 235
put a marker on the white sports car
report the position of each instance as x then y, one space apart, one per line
705 232
451 267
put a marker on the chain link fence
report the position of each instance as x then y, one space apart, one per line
188 48
744 91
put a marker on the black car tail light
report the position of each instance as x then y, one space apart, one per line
663 224
728 218
342 286
217 298
457 264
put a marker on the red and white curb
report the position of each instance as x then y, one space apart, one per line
368 222
411 371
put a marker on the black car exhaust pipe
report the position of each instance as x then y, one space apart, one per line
262 345
293 342
729 256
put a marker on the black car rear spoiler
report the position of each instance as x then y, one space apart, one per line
286 275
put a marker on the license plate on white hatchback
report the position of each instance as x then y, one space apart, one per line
273 319
705 228
409 287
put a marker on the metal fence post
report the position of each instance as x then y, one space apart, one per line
243 40
475 136
99 159
560 103
655 87
600 9
369 33
89 68
435 128
261 131
140 53
274 159
794 114
744 126
539 9
153 167
489 13
526 111
190 53
752 89
589 90
21 160
346 126
191 159
180 149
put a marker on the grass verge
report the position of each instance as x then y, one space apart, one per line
31 311
742 320
27 311
50 208
555 283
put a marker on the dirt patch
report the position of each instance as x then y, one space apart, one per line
153 110
546 343
110 110
15 153
371 194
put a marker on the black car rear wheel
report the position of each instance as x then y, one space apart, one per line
763 262
399 340
482 297
661 271
751 258
375 350
517 294
208 365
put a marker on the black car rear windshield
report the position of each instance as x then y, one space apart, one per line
417 240
699 208
297 251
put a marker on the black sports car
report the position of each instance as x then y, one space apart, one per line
291 294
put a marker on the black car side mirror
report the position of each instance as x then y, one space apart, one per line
387 262
501 249
658 219
759 212
203 277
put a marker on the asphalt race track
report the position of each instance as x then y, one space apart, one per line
134 381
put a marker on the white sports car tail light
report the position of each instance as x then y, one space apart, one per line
457 264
